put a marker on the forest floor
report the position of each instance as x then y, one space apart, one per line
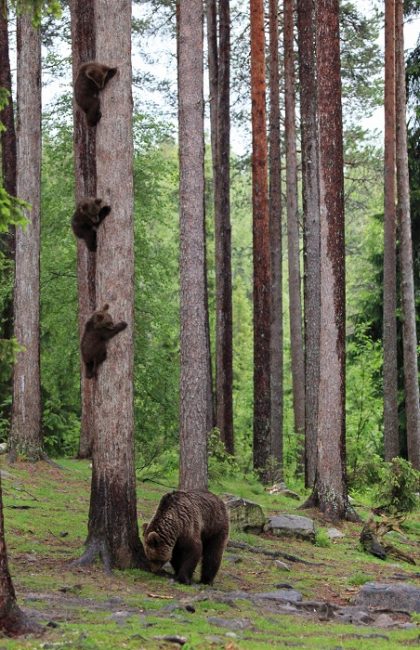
46 511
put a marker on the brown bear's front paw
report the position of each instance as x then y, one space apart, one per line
184 580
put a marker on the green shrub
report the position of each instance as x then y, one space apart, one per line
399 486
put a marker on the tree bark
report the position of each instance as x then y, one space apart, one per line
194 376
411 382
330 491
8 137
391 442
224 407
295 303
13 621
312 258
261 247
113 530
25 435
275 208
84 145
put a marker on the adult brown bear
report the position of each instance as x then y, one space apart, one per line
187 527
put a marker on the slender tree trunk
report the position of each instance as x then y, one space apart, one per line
261 247
295 303
13 621
391 442
8 137
84 143
411 377
113 530
312 258
224 407
25 435
330 492
275 207
194 342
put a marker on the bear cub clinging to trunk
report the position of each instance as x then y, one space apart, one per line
91 78
188 526
88 217
99 329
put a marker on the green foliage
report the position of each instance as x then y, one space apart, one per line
38 8
322 539
358 579
221 464
399 487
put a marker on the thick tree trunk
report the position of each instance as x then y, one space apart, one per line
312 258
411 381
13 621
224 407
194 375
84 144
330 492
295 303
261 247
275 207
25 435
113 530
391 442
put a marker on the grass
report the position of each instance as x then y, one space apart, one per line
46 511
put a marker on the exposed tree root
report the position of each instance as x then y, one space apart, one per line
95 549
15 623
272 554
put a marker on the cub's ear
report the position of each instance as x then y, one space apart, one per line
98 201
105 307
111 72
153 539
144 527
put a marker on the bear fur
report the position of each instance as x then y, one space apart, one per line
187 527
99 329
91 78
88 217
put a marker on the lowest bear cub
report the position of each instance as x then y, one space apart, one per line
188 526
99 329
88 217
91 78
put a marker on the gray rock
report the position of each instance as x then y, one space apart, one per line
283 595
354 615
334 533
244 515
384 620
230 624
291 526
282 565
395 597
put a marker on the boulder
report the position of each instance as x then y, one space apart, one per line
291 526
395 597
334 533
244 515
282 595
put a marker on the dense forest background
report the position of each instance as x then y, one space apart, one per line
157 246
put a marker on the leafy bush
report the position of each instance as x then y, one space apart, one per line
221 464
322 539
399 487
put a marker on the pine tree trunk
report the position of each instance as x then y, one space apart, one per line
13 621
330 493
84 144
25 436
194 376
224 407
113 530
411 382
295 303
310 192
275 207
261 247
391 442
8 137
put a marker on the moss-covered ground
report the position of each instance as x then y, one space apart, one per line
46 511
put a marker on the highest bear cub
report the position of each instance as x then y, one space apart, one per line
99 329
88 217
91 78
188 526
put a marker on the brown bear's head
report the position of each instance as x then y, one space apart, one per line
94 210
102 319
158 552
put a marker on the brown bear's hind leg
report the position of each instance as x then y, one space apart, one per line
188 559
213 548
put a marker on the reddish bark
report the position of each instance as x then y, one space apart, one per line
8 137
295 303
275 208
391 442
194 376
312 259
411 382
261 246
84 143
